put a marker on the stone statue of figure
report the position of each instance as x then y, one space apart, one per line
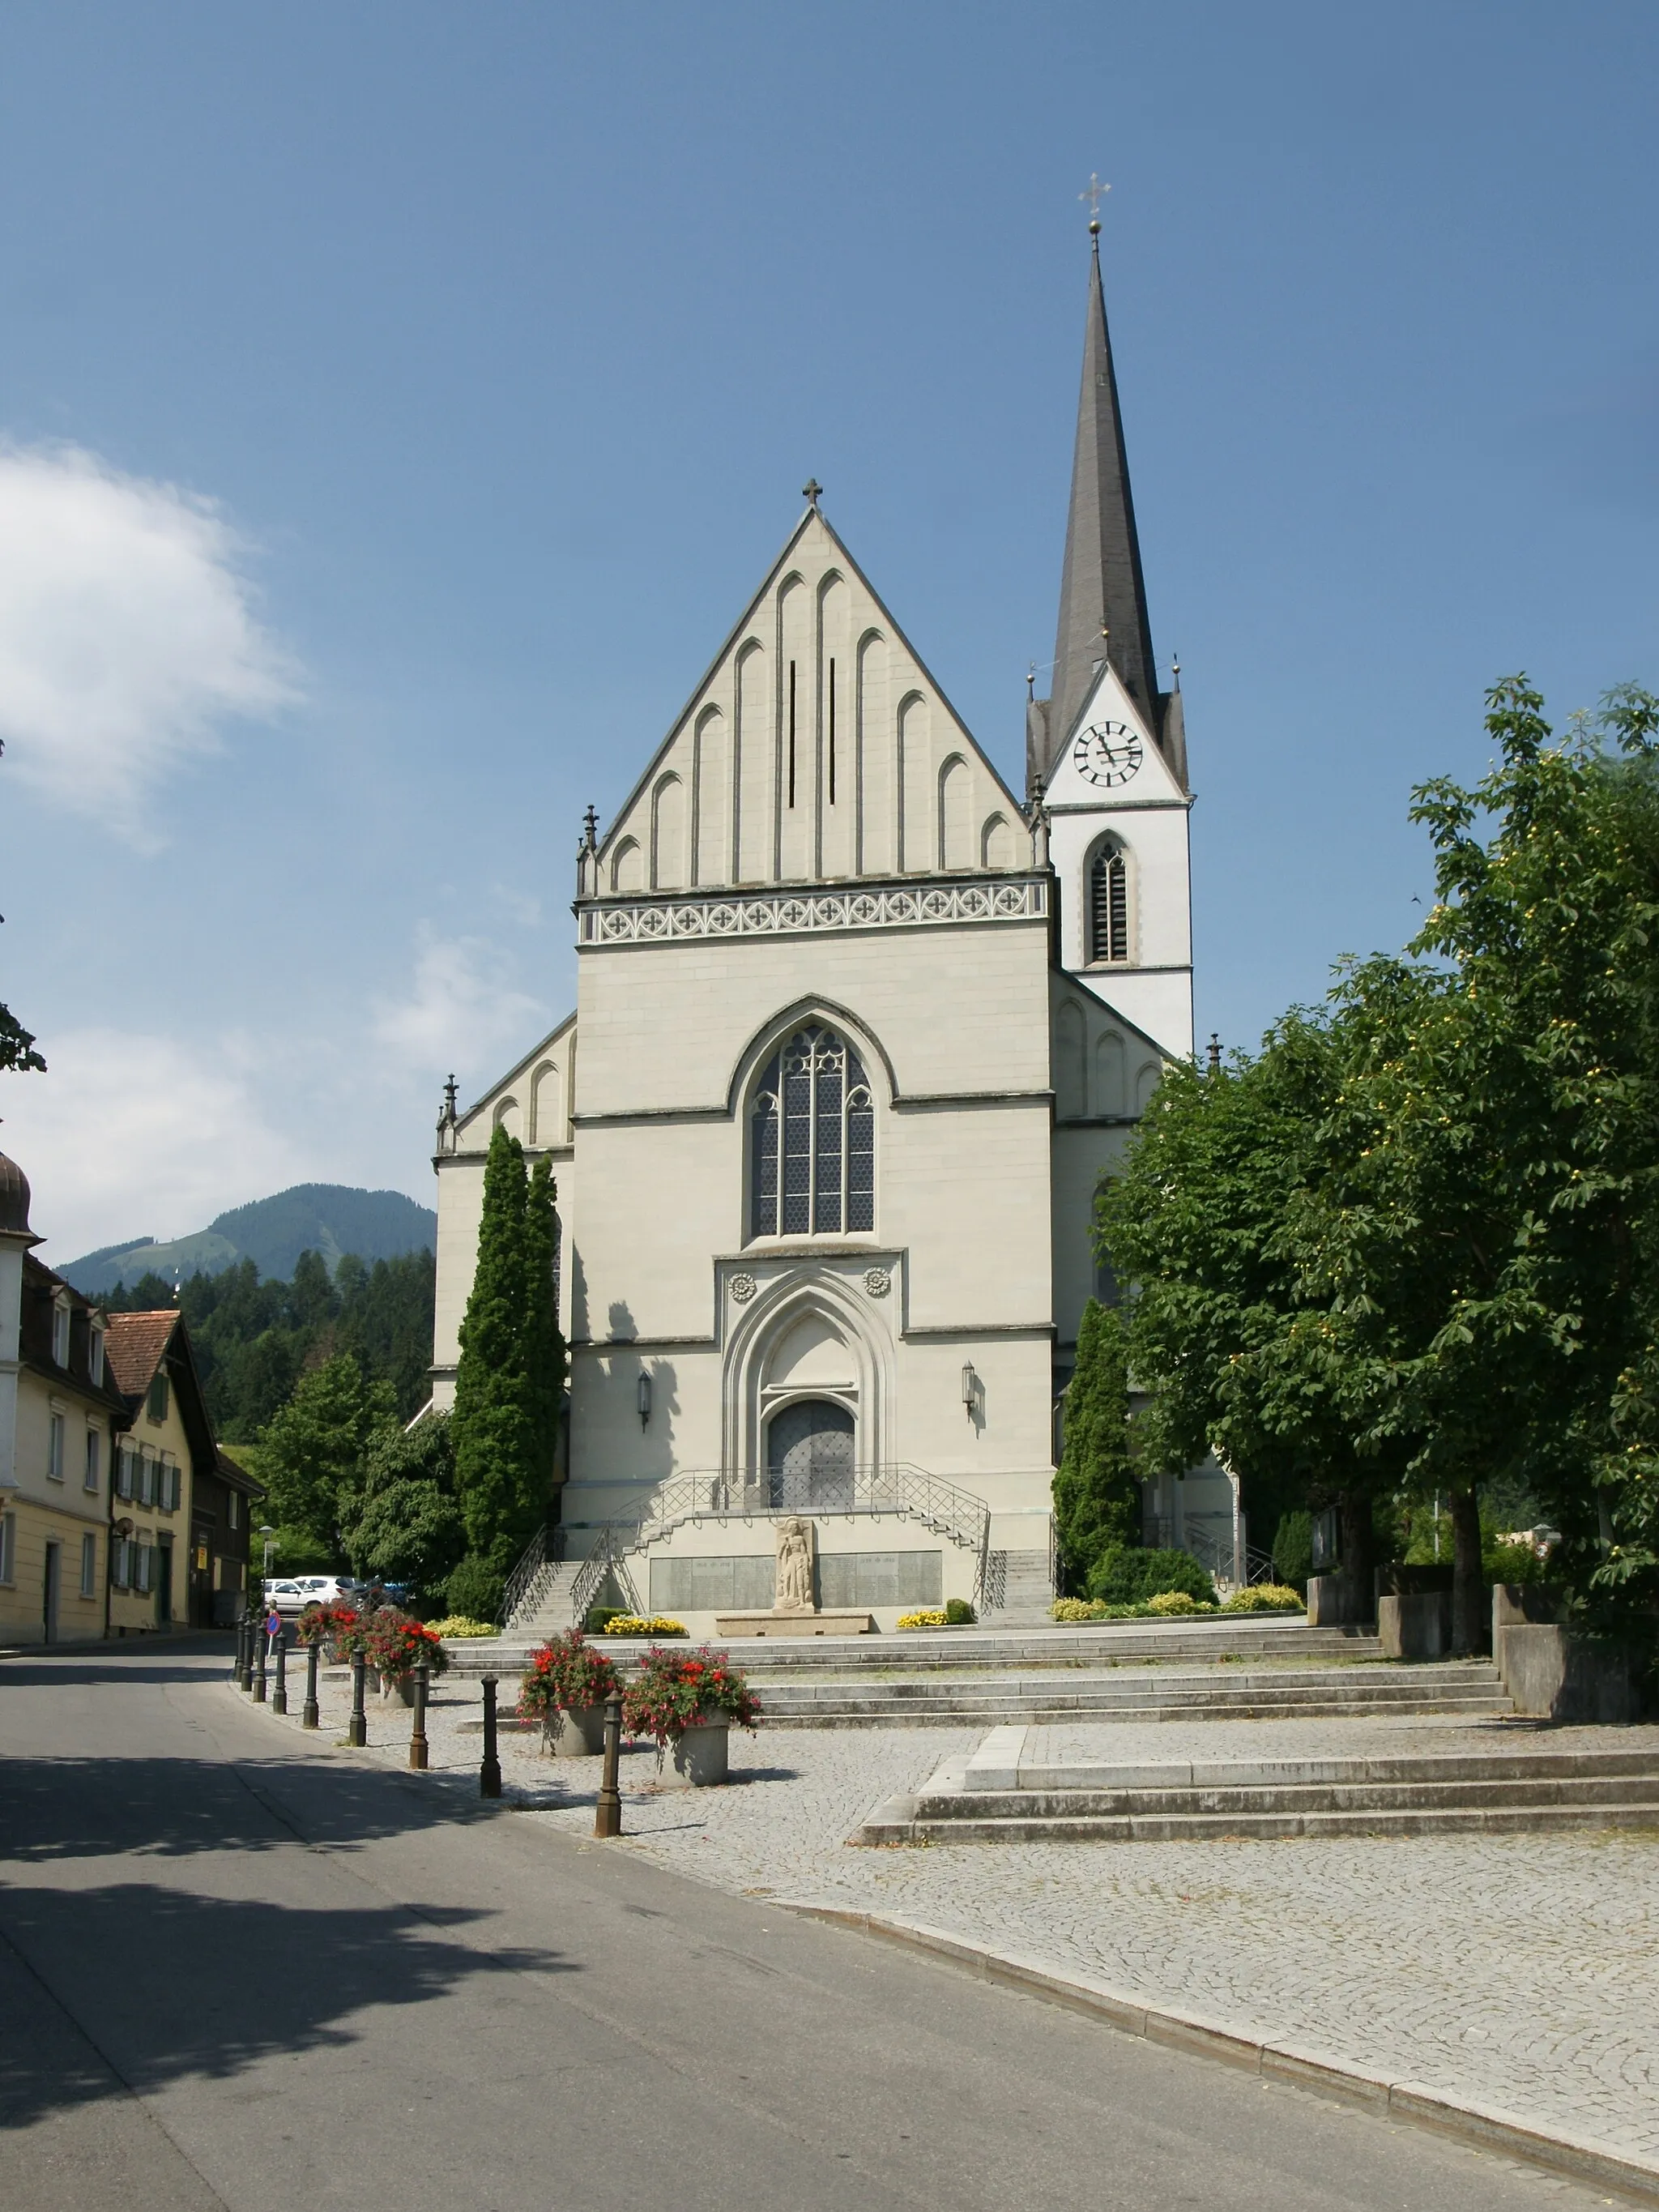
793 1586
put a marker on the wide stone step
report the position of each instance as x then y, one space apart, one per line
1017 1805
1040 1712
1179 1827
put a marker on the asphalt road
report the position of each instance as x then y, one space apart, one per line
240 1969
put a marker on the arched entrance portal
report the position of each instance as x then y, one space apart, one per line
808 1457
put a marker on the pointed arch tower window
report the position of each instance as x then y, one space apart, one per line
1109 903
812 1140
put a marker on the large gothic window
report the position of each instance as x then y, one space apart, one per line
812 1142
1109 905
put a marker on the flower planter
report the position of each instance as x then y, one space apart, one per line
698 1759
578 1734
401 1686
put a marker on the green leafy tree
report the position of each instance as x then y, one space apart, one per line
314 1457
407 1525
17 1051
1097 1500
1240 1354
497 1460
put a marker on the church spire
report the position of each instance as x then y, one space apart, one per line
1103 593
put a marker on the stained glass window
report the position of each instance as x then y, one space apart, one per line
813 1141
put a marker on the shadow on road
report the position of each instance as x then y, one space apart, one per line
73 1808
182 1985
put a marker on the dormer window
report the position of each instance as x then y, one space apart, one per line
96 1356
60 1333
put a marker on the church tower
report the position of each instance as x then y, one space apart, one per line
1107 752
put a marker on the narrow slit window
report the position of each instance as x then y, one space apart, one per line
792 733
832 733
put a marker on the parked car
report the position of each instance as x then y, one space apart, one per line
294 1593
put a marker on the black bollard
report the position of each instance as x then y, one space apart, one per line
279 1696
489 1773
238 1665
357 1726
260 1643
417 1732
607 1812
308 1714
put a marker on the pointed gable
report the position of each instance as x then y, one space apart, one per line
817 749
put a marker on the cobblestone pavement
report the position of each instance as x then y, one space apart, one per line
1520 1971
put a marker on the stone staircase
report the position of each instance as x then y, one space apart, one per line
548 1609
991 1650
997 1797
1467 1689
1019 1588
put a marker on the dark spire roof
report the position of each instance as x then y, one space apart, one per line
1102 582
13 1198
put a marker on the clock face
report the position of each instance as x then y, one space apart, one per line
1108 752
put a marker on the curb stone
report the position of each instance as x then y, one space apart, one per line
1483 2126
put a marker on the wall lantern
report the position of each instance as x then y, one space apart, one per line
969 1387
644 1397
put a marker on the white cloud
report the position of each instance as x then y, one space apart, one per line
138 1135
127 633
463 1012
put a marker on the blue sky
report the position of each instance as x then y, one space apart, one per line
400 401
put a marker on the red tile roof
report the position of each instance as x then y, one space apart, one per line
133 1345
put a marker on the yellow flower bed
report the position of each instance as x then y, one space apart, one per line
930 1619
640 1623
461 1624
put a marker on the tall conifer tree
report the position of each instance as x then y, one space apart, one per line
544 1345
1096 1502
494 1425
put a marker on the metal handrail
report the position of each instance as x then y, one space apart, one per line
910 1492
533 1571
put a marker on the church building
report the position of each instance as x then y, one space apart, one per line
858 1030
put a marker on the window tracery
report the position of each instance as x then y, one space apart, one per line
812 1140
1109 904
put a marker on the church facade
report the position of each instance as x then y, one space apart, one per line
858 1030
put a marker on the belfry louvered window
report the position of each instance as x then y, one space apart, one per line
813 1141
1108 905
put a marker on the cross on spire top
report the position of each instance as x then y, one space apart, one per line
1094 195
811 491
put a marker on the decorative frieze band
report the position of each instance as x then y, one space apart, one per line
635 922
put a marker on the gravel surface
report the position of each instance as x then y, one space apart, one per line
1521 1971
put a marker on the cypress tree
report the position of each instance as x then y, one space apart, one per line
493 1424
1097 1500
544 1345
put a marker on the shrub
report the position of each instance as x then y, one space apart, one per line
1265 1597
1174 1602
475 1588
1128 1577
1071 1609
930 1617
959 1613
674 1689
461 1624
566 1675
643 1623
1293 1550
598 1617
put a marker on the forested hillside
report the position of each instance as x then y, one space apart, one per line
254 1340
329 1219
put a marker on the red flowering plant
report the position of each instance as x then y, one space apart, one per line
566 1676
334 1627
674 1691
395 1644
